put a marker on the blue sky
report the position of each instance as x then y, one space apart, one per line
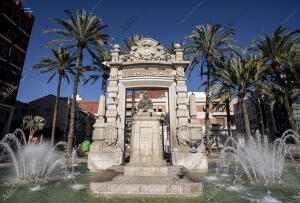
165 21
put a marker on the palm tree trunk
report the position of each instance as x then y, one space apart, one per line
260 119
104 88
207 103
288 108
72 121
55 110
31 133
228 117
245 116
290 112
265 120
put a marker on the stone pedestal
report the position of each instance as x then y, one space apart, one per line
146 154
102 157
104 152
191 161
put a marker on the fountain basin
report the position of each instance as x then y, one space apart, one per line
169 184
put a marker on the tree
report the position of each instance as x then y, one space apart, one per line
60 65
262 89
131 41
276 49
84 31
238 77
33 124
204 44
220 90
101 70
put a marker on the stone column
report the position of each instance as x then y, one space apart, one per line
182 100
172 116
121 115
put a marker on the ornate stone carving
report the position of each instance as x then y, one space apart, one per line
147 50
180 73
141 72
111 135
145 103
183 135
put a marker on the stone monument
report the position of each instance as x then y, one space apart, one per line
146 151
147 66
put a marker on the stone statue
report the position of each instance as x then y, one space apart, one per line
145 103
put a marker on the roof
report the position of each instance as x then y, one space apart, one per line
152 94
89 106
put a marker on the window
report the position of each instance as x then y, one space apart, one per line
15 58
220 121
8 11
20 42
22 24
4 28
219 109
159 110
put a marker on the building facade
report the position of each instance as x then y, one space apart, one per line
44 107
15 30
253 117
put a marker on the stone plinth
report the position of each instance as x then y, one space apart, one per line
101 157
146 152
146 189
146 145
146 185
145 171
191 161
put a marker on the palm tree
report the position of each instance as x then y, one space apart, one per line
238 77
262 88
60 65
276 49
220 90
83 31
131 41
205 43
101 70
33 124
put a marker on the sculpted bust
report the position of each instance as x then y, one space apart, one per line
145 103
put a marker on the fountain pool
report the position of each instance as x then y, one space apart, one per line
216 188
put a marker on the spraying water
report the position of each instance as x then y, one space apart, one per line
259 159
33 162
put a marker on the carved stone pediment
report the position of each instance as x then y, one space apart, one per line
147 49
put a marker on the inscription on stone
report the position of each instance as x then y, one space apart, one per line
145 141
140 72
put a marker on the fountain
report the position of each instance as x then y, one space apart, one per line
259 159
34 162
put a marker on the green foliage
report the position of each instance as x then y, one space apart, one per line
131 41
33 123
62 63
